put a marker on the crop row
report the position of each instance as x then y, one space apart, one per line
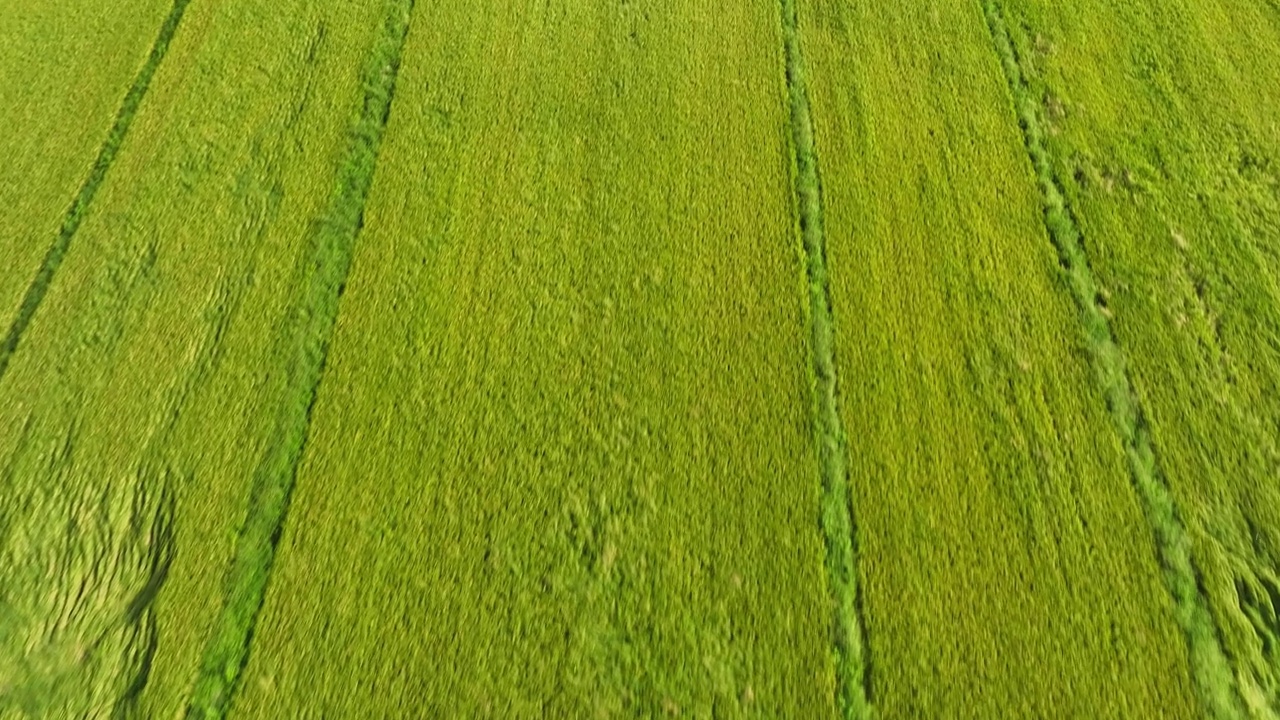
306 333
836 514
582 422
1210 670
81 561
30 300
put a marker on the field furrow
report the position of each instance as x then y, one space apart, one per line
306 335
1158 124
562 461
1209 666
163 368
1005 564
65 68
833 447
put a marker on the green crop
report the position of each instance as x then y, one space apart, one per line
833 447
62 85
1208 662
1158 123
552 358
306 341
562 461
160 352
82 566
1005 565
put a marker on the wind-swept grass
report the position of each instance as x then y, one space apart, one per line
568 396
79 568
643 305
1152 128
168 342
1002 554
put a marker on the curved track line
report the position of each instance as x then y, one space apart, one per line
1210 668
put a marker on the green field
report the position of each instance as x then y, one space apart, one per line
555 358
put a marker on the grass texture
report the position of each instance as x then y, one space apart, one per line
1215 685
81 568
308 331
65 69
1157 124
164 346
568 399
1005 564
833 447
557 391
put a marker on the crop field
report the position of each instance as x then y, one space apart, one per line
624 358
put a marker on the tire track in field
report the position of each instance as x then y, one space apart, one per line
307 331
1210 669
836 517
84 198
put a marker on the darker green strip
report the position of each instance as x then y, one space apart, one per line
1211 671
310 327
837 517
80 206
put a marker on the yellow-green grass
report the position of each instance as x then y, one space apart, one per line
1161 127
65 69
848 642
304 339
155 359
561 462
1006 566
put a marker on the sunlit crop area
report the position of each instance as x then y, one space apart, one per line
623 358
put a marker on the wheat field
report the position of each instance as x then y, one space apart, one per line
616 358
